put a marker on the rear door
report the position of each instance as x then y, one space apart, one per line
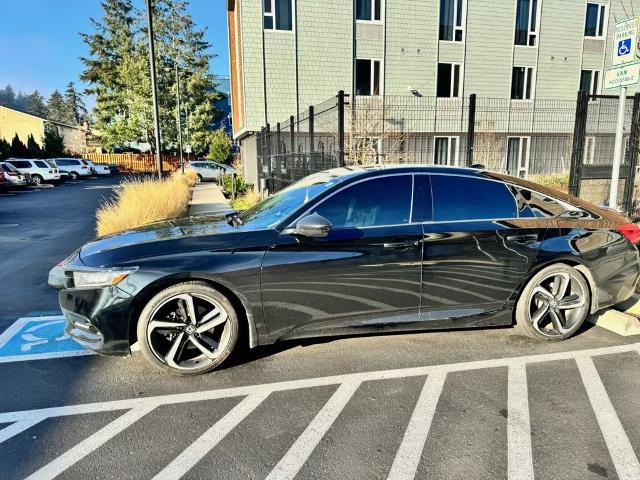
476 249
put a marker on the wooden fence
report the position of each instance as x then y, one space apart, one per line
135 162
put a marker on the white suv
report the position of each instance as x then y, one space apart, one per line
40 170
75 167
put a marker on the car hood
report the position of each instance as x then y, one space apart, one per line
162 238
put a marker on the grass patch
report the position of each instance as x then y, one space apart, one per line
246 201
141 201
557 182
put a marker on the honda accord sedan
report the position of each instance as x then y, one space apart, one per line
349 251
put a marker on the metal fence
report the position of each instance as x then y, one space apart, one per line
524 138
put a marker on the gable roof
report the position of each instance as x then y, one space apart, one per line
41 118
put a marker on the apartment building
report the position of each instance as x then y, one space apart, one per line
288 54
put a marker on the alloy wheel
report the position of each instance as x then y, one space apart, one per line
557 304
188 331
37 180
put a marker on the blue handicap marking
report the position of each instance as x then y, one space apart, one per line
624 47
37 338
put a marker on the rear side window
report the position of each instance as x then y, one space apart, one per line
372 203
41 164
21 163
542 206
465 198
62 163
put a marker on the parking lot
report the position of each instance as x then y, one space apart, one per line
467 404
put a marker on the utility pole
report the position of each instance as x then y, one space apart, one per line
179 115
154 90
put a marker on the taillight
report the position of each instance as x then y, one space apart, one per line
631 231
50 171
12 174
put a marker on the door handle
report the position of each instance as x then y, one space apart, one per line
400 244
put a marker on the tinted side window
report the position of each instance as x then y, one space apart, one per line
376 202
62 163
20 163
40 164
541 205
466 198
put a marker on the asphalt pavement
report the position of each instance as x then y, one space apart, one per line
474 404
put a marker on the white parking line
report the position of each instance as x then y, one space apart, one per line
84 448
622 454
408 456
295 458
209 439
518 425
520 465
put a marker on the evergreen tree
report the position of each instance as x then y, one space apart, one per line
74 105
5 149
35 105
220 146
34 149
18 149
7 96
53 143
56 108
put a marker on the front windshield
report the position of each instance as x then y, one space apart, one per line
271 211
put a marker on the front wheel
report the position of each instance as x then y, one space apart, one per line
74 176
188 329
37 180
554 304
199 179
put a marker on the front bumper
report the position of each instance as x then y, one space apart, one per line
98 319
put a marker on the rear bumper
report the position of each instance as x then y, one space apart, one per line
98 319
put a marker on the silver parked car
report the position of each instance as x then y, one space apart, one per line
208 170
13 176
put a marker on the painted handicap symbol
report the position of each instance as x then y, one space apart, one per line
624 47
47 335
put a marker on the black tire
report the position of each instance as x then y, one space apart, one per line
199 179
74 176
534 299
37 179
145 337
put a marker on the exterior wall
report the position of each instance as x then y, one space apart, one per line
75 139
12 122
252 63
280 78
236 66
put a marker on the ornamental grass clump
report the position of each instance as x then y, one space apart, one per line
140 201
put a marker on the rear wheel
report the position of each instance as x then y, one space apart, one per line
554 304
188 329
37 179
199 179
74 176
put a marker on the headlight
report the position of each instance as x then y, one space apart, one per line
99 278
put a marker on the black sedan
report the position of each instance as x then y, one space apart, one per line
351 250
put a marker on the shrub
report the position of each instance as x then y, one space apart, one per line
141 201
557 182
246 201
189 176
240 189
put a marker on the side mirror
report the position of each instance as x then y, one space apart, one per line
315 226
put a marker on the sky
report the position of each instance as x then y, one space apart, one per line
40 47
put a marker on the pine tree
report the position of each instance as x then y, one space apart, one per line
75 109
34 149
7 96
53 144
18 148
56 108
35 104
5 149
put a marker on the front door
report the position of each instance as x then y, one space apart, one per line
476 252
363 274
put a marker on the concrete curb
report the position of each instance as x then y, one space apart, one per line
617 322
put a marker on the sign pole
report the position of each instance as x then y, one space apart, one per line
617 152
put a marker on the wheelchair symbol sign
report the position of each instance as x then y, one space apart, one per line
624 47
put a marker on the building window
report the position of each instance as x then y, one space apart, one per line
369 10
527 15
523 83
596 20
449 80
518 150
452 20
590 81
368 77
278 15
445 151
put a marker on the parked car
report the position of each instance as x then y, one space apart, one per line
113 169
75 167
98 169
351 250
14 178
39 170
65 176
208 170
3 182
